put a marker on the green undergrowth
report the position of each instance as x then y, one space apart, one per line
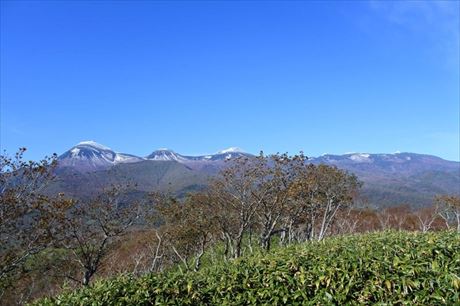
385 268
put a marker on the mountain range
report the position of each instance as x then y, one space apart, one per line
89 156
389 179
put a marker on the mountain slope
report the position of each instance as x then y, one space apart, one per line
148 176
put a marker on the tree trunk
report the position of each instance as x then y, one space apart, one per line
458 222
198 257
87 277
282 237
237 249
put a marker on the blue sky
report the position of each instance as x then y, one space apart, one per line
197 77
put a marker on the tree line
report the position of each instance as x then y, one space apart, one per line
252 203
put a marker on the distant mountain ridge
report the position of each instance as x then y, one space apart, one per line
89 156
399 178
389 179
388 163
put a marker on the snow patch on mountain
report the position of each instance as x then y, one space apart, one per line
93 144
121 158
231 150
75 152
360 157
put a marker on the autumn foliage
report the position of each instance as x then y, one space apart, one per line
254 205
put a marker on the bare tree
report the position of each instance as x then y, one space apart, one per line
272 194
318 194
232 194
338 189
90 229
156 252
426 217
305 208
24 212
348 221
384 219
188 228
450 210
279 194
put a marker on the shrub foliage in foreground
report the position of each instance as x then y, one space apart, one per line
379 268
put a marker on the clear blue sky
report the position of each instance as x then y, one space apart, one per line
322 77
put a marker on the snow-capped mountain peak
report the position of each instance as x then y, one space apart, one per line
231 150
169 155
93 144
164 154
90 156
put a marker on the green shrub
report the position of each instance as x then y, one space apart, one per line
384 268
